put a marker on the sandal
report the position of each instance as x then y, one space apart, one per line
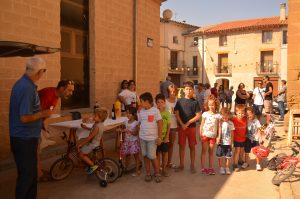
148 178
178 169
171 165
157 178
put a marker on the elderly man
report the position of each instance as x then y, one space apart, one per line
164 86
49 97
25 124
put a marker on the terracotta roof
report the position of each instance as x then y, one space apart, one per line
179 23
240 25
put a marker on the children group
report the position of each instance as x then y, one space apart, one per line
152 130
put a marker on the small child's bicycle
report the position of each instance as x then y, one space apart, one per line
107 171
286 165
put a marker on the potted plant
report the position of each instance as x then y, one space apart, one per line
225 69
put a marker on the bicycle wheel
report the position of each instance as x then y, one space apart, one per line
121 168
108 170
61 168
283 174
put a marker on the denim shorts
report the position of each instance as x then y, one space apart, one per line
224 151
148 148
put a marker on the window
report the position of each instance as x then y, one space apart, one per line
267 37
174 60
223 40
195 41
75 54
175 40
266 62
195 65
222 63
284 37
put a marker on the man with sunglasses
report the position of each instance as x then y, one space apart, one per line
25 124
49 97
258 97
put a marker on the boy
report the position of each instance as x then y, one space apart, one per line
162 149
150 134
187 112
239 134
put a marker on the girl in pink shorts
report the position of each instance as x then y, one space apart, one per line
209 133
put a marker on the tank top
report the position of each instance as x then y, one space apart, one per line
239 100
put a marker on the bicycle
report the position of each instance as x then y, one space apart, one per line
107 171
286 166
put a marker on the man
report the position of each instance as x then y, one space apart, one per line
281 98
258 98
200 92
268 97
25 124
214 90
49 97
164 86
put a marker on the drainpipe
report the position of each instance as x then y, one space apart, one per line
203 71
135 39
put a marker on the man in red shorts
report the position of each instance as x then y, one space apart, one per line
49 97
187 112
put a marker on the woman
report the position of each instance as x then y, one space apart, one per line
129 96
124 86
241 95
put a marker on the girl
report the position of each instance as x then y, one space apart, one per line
209 133
170 104
86 145
131 145
252 137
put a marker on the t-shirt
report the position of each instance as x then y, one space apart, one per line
170 108
148 123
229 94
282 96
268 86
221 94
166 117
211 123
214 91
97 138
226 129
187 109
259 93
240 126
164 87
252 127
131 127
129 96
48 97
206 94
200 97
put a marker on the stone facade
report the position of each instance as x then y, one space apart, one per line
114 55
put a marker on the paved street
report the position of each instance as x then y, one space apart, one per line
244 184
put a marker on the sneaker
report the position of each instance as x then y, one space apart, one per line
240 162
245 165
157 178
222 170
204 171
235 168
92 169
258 167
228 172
211 171
148 178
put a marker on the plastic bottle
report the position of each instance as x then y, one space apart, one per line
96 106
113 112
118 108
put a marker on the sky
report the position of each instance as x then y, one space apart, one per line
208 12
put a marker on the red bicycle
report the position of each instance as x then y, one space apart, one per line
286 166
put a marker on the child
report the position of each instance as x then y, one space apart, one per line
239 134
253 136
162 149
131 145
170 104
187 112
86 145
150 134
225 141
209 133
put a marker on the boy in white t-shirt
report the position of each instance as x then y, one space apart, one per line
150 134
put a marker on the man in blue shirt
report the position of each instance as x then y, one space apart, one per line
25 123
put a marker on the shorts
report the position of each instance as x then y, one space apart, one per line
189 133
163 147
238 144
268 106
228 101
88 148
258 109
224 151
148 148
250 144
173 130
208 139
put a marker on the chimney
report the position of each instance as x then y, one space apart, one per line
282 11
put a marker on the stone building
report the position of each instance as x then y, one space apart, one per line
101 42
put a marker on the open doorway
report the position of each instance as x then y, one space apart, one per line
224 82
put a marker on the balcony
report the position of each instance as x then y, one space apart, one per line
192 71
225 70
267 69
176 70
